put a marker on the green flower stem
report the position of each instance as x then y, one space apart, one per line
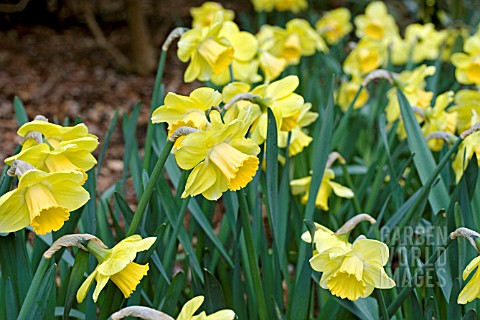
154 104
145 198
27 305
342 126
410 285
252 255
349 182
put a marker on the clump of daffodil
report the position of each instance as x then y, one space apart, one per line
465 152
296 40
116 264
467 107
437 118
204 15
244 66
299 139
207 51
42 200
468 64
425 41
189 111
347 91
271 65
412 84
367 56
302 186
376 24
221 157
334 25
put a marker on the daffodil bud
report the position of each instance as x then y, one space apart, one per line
353 222
140 312
472 236
74 240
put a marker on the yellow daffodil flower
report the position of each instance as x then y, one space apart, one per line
291 5
334 25
325 239
296 40
376 24
302 185
467 106
471 291
413 84
299 139
56 135
207 52
438 119
231 90
465 152
189 111
189 309
468 64
425 41
347 91
245 47
367 56
204 15
68 157
263 5
353 273
399 50
117 264
221 158
271 65
42 200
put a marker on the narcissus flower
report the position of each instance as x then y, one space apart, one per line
334 25
302 185
245 47
56 135
221 158
471 291
207 52
291 5
325 239
465 152
412 85
299 139
353 273
68 157
468 64
189 309
467 106
296 40
270 64
204 15
42 200
376 24
117 264
181 110
437 118
367 56
347 92
424 41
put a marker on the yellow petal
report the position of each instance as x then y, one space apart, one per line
346 285
190 308
101 283
14 214
470 267
471 291
371 250
340 190
83 290
282 88
128 279
195 148
200 179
